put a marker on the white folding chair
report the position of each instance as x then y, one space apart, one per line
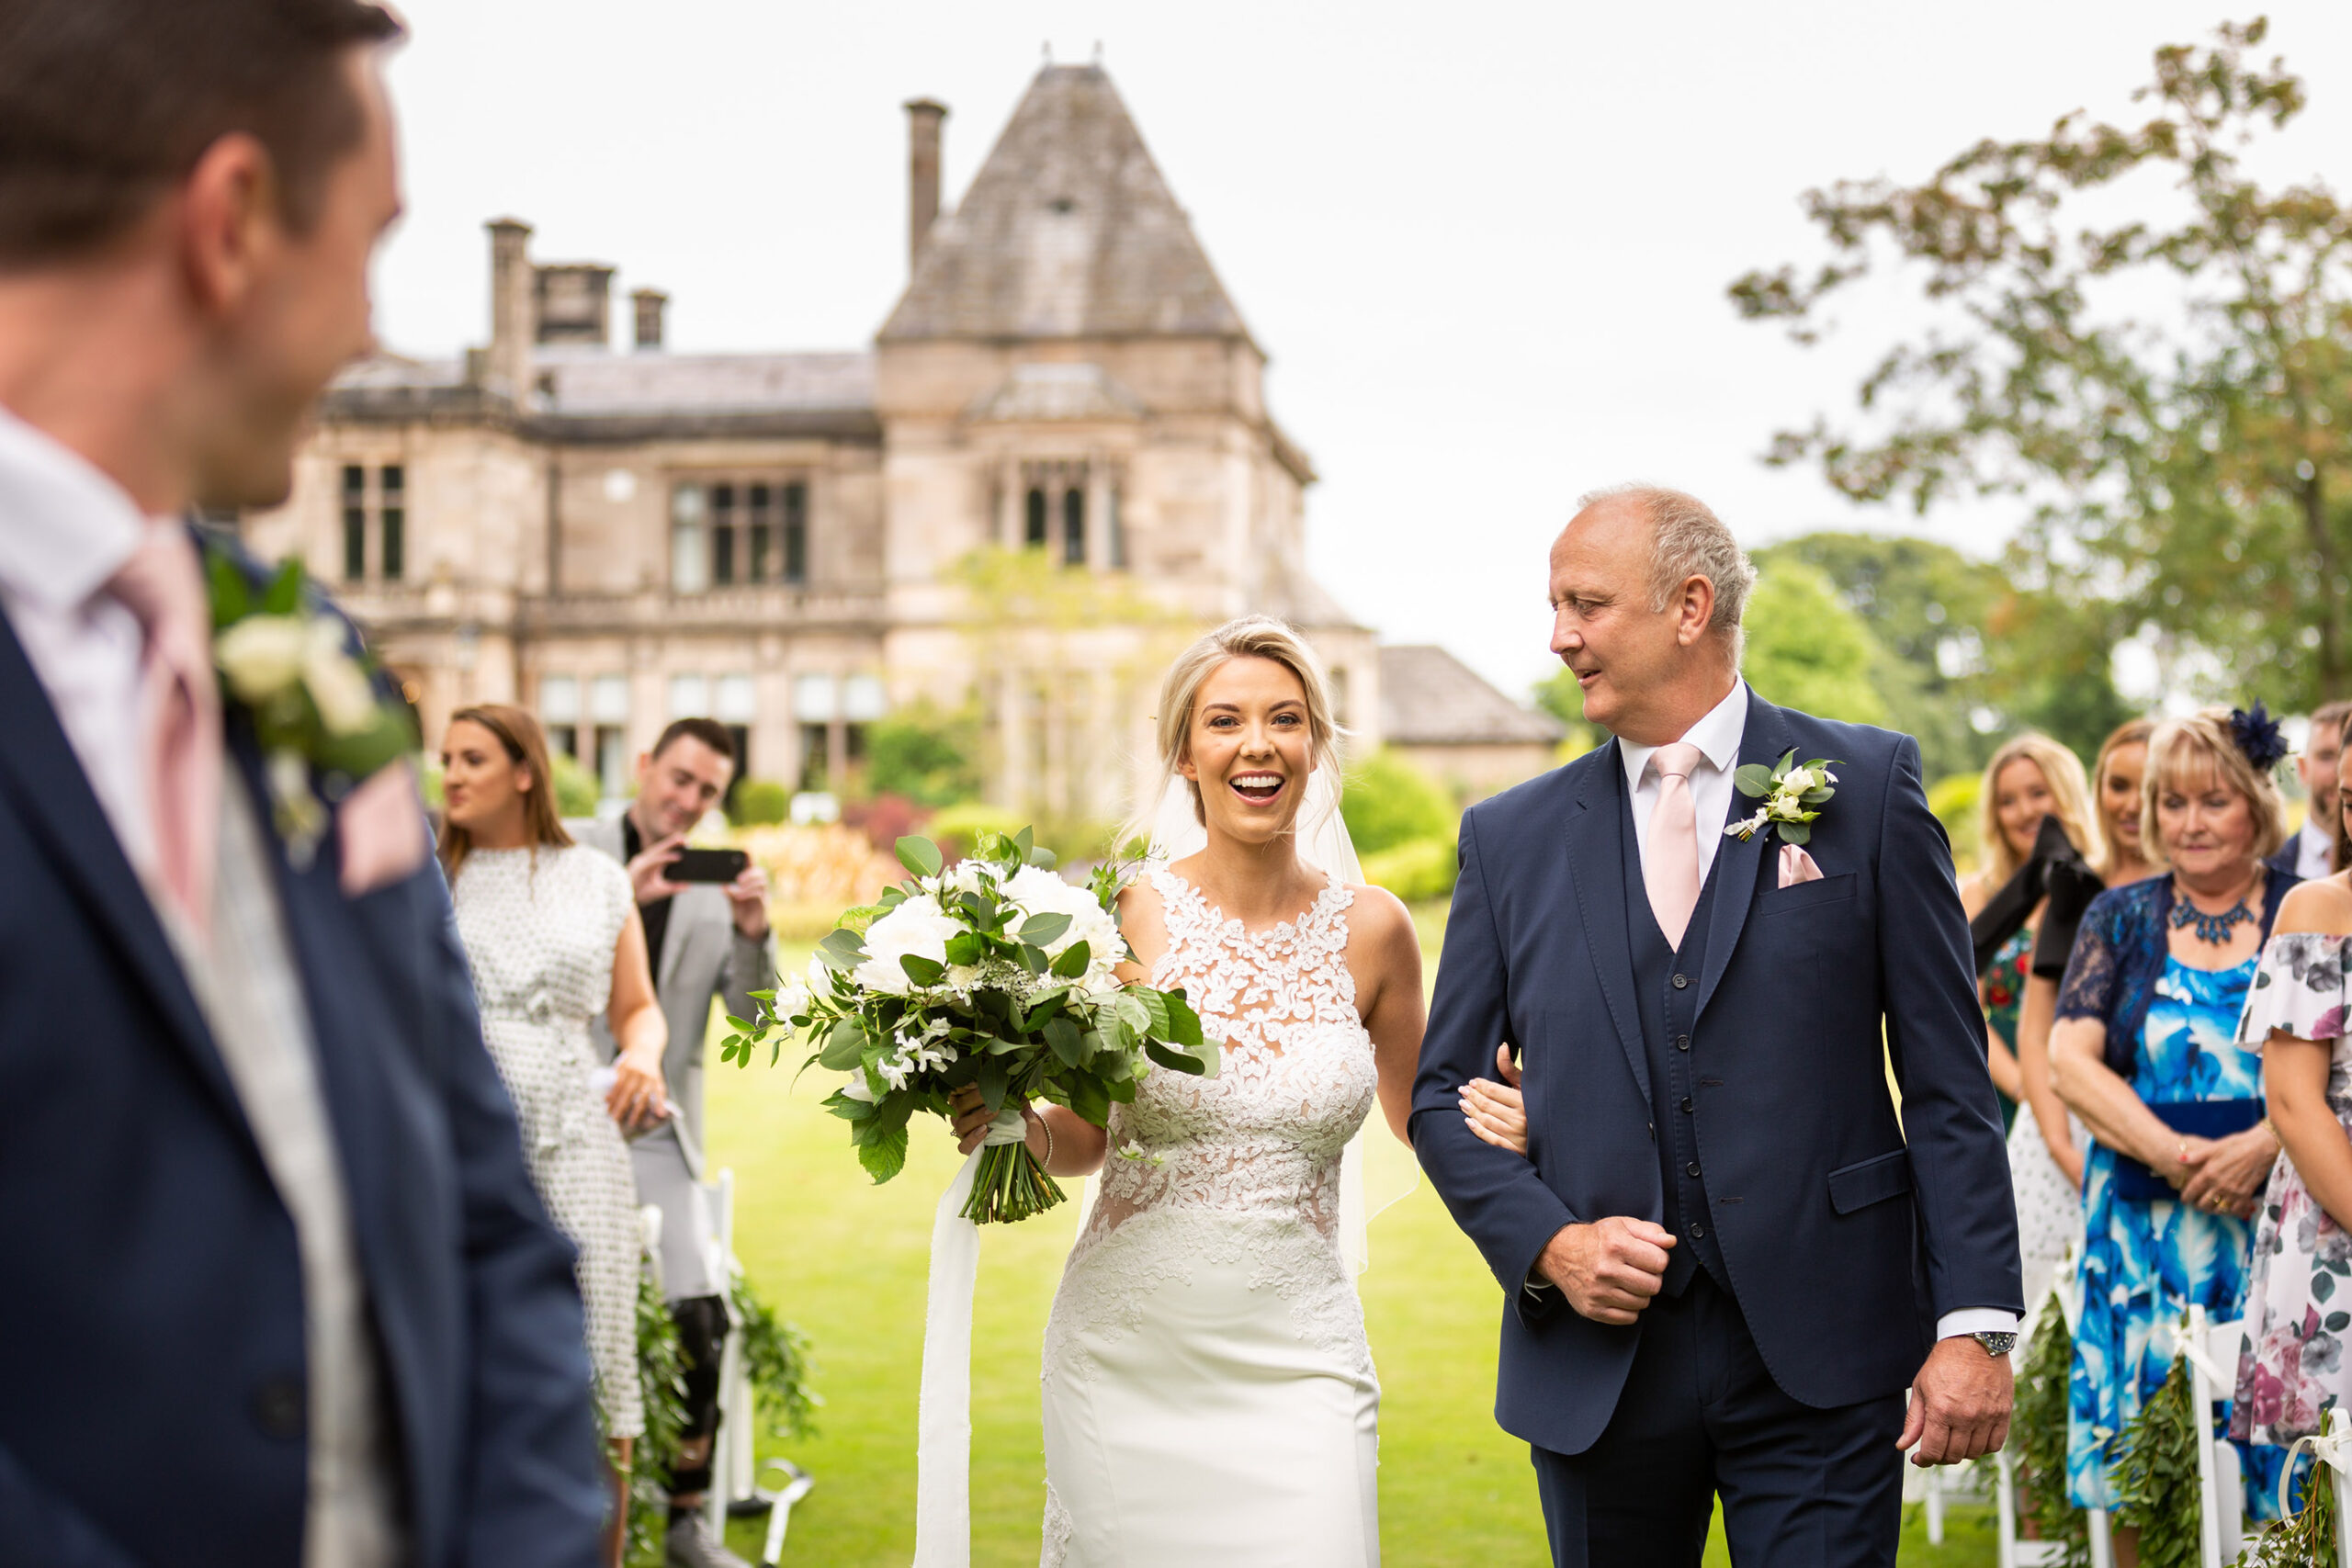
731 1462
2339 1427
2011 1551
2221 1481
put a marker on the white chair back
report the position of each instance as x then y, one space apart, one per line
2221 1483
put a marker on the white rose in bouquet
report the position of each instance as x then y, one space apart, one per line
918 928
1040 892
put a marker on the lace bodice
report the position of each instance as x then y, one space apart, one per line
1265 1136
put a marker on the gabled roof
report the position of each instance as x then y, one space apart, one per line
1427 698
1067 230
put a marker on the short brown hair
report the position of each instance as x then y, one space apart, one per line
520 737
2205 737
2331 717
105 105
709 731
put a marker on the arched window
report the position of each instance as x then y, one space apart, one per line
1073 526
1038 516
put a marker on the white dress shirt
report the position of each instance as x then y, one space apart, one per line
65 529
1718 738
2314 850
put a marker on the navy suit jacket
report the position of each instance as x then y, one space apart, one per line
152 1356
1844 1241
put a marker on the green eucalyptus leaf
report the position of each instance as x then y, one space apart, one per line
841 951
1039 931
844 1046
996 1081
884 1157
921 970
920 855
1090 1098
1063 1036
1073 961
1043 858
1032 958
284 594
232 598
1754 779
967 947
1795 833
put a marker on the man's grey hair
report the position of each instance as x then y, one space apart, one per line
1690 541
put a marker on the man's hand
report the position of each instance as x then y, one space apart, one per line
649 872
1960 1404
748 894
1609 1271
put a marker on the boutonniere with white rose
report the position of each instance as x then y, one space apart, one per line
315 706
1793 797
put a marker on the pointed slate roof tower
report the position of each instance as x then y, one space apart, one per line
1068 230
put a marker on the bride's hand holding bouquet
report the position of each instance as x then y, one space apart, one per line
993 982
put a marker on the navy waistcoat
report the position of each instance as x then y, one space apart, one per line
1665 989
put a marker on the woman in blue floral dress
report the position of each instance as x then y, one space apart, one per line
2292 1372
2146 1051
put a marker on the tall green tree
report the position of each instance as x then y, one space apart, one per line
2141 341
1807 650
1972 658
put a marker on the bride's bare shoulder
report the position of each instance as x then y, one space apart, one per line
1380 928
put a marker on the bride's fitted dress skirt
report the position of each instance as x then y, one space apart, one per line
1209 1397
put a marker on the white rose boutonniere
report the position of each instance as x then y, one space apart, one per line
315 704
1793 797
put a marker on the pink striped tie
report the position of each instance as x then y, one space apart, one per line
163 585
1671 859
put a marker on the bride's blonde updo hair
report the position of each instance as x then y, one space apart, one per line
1251 636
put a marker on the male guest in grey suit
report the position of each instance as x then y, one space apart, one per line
705 941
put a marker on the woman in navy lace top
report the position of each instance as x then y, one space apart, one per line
2145 1049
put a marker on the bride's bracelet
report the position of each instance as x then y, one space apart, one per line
1048 1128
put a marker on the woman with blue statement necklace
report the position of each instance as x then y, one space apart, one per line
2145 1049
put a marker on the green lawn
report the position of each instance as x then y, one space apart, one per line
846 1261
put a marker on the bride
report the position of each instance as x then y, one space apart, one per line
1208 1392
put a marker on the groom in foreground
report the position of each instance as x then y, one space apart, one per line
1725 1257
279 1290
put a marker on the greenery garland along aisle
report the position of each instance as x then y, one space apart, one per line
776 1359
2155 1475
2038 1435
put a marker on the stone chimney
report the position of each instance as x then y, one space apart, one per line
923 120
573 303
512 308
649 304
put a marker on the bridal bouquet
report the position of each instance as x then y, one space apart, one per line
995 973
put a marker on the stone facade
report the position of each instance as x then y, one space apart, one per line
616 537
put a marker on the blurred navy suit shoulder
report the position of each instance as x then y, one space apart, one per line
1843 1239
152 1351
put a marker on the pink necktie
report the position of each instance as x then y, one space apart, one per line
1671 858
163 585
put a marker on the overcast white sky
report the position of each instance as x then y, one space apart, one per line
1485 244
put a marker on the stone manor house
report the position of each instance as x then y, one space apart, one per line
618 535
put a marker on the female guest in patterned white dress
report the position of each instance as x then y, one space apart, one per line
2298 1307
1209 1396
552 932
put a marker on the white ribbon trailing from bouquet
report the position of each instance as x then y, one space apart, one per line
944 1421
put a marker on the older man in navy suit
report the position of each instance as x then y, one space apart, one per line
1725 1255
279 1291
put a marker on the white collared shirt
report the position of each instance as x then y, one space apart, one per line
66 530
1717 736
2314 852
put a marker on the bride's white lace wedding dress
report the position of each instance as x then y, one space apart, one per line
1209 1397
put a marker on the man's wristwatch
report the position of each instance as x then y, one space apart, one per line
1995 1345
